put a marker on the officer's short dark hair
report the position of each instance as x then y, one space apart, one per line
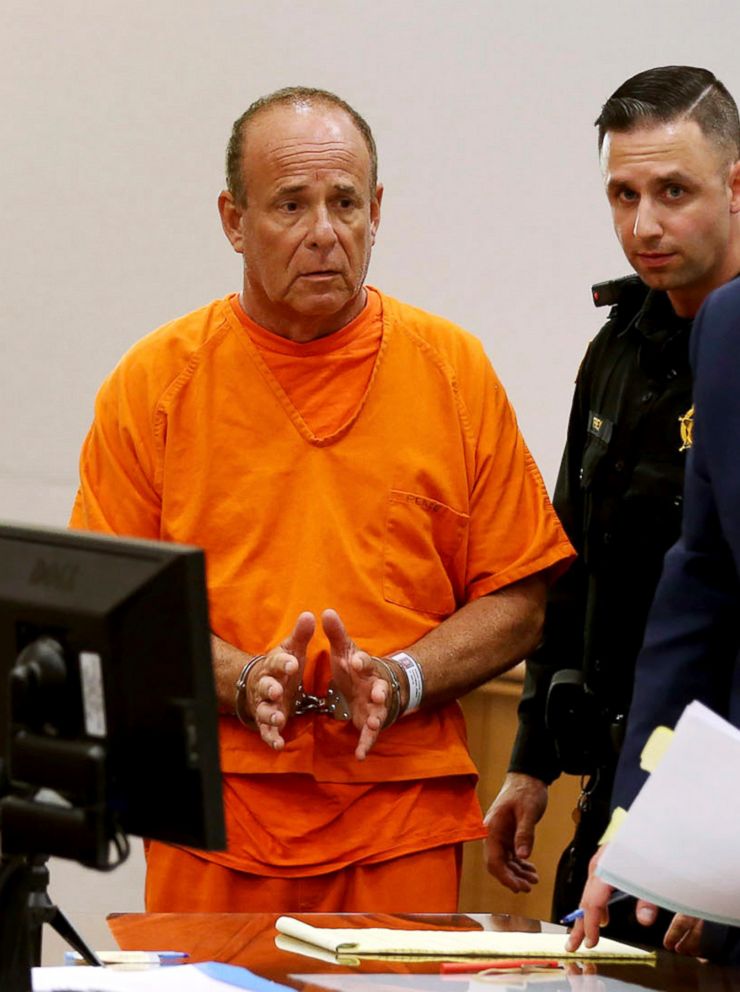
670 92
290 96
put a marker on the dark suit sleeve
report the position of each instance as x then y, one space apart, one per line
562 646
691 640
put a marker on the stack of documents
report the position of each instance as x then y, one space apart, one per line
382 943
677 846
209 976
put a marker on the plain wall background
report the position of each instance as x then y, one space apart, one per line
114 119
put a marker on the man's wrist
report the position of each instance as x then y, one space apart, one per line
411 678
394 706
241 698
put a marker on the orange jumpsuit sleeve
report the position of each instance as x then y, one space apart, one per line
514 530
118 491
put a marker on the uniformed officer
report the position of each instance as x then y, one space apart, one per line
692 639
669 140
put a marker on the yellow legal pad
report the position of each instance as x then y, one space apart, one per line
378 942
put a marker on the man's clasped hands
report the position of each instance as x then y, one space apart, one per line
274 683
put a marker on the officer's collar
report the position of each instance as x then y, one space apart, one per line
656 319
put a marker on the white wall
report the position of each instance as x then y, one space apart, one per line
113 121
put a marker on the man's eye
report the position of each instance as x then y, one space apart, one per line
346 203
289 206
674 192
627 196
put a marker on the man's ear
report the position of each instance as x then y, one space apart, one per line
231 220
733 181
375 212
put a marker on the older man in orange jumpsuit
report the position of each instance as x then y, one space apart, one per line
378 537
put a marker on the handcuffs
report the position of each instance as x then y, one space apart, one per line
333 704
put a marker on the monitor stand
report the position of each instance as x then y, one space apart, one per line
24 908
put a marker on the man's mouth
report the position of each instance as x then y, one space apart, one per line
655 259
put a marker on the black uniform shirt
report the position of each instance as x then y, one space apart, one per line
619 495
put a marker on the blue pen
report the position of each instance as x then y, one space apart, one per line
131 957
577 914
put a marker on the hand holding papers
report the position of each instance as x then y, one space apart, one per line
677 846
577 914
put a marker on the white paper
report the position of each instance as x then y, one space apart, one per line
678 846
172 978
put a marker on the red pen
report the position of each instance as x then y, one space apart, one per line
499 964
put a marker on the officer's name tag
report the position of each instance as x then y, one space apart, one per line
600 427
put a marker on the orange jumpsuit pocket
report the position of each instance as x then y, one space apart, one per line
423 541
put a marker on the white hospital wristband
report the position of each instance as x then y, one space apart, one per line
415 676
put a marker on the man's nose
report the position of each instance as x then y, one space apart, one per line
321 233
647 221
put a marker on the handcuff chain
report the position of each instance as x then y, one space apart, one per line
333 704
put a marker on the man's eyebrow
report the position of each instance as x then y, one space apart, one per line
664 179
676 176
290 188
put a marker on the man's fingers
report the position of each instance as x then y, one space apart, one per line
269 698
586 929
366 690
594 918
297 641
339 640
267 689
515 873
595 914
525 870
270 715
594 902
270 720
271 736
646 912
683 934
278 670
524 837
576 936
518 878
368 737
275 677
511 880
379 692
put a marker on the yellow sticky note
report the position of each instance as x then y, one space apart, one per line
615 823
655 748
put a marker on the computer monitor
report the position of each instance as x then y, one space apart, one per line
107 700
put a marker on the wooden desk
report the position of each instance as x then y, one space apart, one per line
248 939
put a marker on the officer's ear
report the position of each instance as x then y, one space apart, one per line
733 182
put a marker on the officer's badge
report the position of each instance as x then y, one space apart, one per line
686 423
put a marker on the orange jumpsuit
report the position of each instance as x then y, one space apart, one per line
395 500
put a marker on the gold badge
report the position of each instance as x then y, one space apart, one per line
596 423
687 429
